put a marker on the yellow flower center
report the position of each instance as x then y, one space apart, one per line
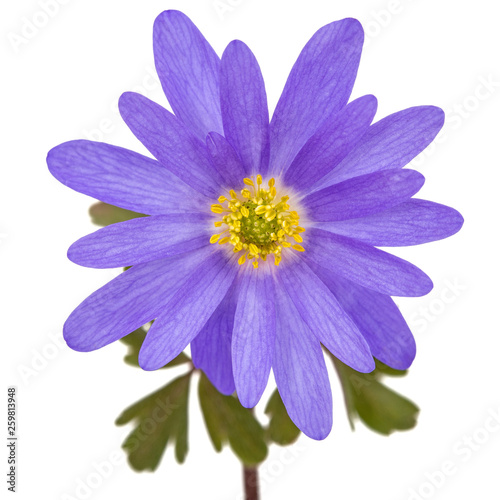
256 224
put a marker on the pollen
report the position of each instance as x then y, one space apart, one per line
257 223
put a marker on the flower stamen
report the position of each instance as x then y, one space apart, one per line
258 226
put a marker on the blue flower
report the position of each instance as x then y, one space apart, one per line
260 245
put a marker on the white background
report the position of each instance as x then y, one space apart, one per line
63 83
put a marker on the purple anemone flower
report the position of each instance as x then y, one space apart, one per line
260 245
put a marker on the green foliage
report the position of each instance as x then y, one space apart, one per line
379 407
281 429
228 421
382 369
134 342
103 214
160 418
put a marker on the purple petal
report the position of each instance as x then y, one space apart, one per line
188 68
363 195
365 265
244 107
170 142
225 160
123 178
141 240
410 223
330 144
187 311
253 335
390 143
300 371
322 313
319 85
211 348
377 317
129 301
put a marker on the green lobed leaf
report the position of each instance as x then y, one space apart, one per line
103 214
228 421
380 408
382 369
281 429
134 342
160 418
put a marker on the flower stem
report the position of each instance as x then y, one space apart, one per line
251 480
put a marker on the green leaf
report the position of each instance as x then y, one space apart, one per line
387 370
281 429
103 214
228 421
380 408
160 418
134 342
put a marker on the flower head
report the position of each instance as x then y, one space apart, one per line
261 239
